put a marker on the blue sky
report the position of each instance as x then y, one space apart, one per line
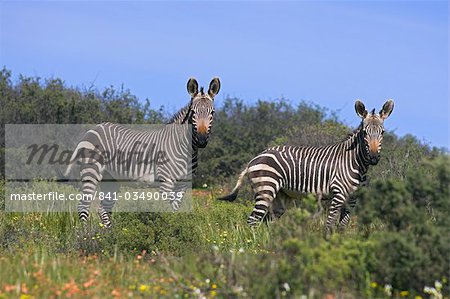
330 53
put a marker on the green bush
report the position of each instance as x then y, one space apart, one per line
413 251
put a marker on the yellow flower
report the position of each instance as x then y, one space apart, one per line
214 286
404 293
143 287
213 293
373 284
418 297
25 296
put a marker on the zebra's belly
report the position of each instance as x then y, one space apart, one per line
143 178
296 194
291 193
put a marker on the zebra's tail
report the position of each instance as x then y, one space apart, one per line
64 177
72 161
232 196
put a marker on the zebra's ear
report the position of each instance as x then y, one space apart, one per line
387 109
214 87
360 109
192 87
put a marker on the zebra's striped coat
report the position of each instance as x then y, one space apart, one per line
102 149
284 171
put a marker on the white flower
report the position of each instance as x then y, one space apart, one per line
286 287
388 289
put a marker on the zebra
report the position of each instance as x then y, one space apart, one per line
281 173
100 150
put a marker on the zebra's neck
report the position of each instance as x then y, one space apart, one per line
182 117
355 146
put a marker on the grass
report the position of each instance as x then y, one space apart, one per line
209 253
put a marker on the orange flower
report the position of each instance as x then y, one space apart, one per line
89 283
10 287
24 288
71 288
116 293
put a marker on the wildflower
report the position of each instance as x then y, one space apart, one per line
418 297
116 293
438 285
213 293
143 288
404 293
207 280
388 289
373 284
71 287
286 287
241 250
213 286
24 288
89 283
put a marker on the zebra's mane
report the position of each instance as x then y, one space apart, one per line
353 133
180 116
352 137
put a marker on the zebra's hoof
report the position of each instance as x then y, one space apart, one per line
253 221
106 224
328 233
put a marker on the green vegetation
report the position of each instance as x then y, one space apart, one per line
396 246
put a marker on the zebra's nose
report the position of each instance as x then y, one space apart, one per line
374 158
202 140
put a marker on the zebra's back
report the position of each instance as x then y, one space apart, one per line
300 169
126 153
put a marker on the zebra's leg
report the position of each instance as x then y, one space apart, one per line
91 175
179 193
279 206
110 188
169 189
319 206
337 203
262 206
345 212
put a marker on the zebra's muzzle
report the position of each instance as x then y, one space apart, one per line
202 140
373 159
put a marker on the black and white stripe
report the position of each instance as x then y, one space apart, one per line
282 172
110 152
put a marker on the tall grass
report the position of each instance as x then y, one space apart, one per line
210 252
